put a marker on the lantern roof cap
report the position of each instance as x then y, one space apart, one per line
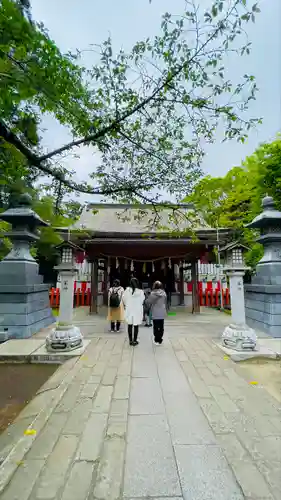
232 245
269 215
22 213
69 244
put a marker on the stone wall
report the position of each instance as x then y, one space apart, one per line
263 308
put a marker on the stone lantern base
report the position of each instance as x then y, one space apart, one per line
263 307
24 309
64 338
239 337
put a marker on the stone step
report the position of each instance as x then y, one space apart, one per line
34 351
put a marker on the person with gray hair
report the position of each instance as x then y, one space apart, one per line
158 302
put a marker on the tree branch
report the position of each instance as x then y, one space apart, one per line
59 176
143 148
37 160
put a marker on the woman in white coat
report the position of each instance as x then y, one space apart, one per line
133 299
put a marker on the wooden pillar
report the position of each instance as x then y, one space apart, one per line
105 277
181 287
94 287
195 295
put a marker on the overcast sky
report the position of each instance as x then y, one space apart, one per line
77 24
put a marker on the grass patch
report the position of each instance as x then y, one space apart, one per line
227 311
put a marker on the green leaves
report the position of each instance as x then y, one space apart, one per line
145 111
234 200
41 75
214 11
255 8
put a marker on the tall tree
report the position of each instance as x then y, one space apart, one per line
235 199
265 165
145 111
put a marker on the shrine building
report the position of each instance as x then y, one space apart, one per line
121 241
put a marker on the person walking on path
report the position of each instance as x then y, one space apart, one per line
133 299
147 308
115 306
158 301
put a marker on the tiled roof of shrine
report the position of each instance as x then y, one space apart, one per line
143 219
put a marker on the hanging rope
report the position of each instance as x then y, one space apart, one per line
157 259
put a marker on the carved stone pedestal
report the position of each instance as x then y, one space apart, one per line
239 337
24 298
64 338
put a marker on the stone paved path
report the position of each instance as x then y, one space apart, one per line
175 421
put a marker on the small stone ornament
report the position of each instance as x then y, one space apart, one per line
64 338
239 338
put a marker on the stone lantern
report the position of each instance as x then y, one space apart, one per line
66 336
263 295
24 298
237 335
233 254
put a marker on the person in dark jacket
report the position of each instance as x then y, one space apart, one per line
158 302
147 308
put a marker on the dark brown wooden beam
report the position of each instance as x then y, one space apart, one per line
181 287
94 287
195 295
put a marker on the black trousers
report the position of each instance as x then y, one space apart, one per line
169 299
130 332
158 329
112 325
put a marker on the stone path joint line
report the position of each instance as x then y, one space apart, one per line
175 421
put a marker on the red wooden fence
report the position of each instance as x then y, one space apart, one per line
82 297
212 298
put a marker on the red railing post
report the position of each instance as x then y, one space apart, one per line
78 297
200 297
217 298
57 297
